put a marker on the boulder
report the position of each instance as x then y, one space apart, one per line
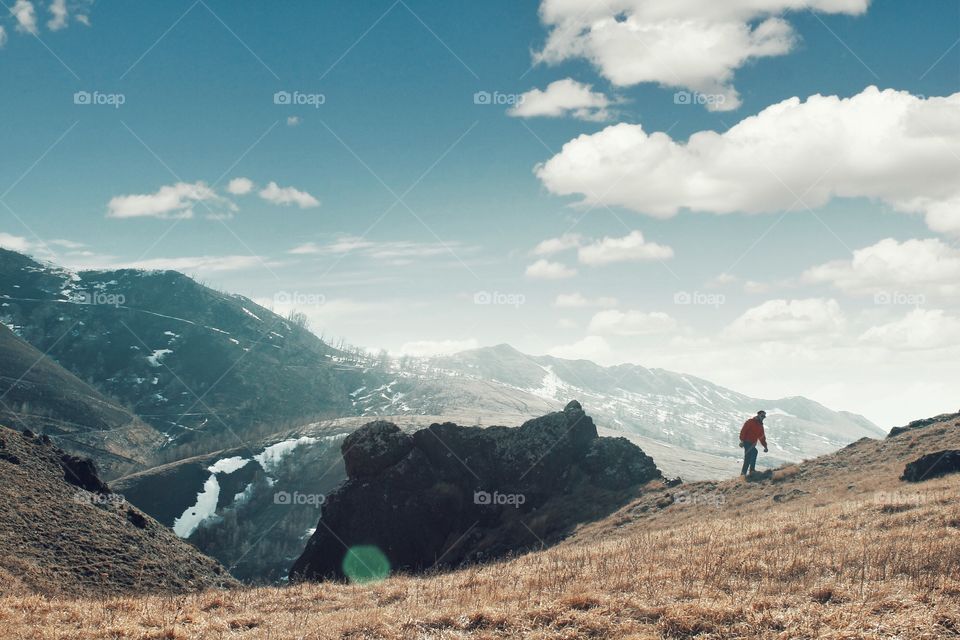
450 495
932 465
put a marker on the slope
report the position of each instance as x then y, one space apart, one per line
63 532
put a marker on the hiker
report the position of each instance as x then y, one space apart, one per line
750 435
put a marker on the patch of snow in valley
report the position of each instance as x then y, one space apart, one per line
205 507
228 465
272 456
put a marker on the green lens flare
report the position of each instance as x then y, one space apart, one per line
365 564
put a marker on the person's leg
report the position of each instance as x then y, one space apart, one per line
753 458
747 448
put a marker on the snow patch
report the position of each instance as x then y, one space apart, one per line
204 508
228 465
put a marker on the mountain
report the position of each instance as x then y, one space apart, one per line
62 531
196 364
449 495
674 408
38 394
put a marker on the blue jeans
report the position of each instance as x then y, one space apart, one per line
749 458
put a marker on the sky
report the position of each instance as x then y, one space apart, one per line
763 193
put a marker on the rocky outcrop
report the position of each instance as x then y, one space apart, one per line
925 422
448 495
932 465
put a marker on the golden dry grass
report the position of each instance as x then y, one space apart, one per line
855 554
847 570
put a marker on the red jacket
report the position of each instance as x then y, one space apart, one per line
752 432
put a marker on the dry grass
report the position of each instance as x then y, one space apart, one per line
856 554
846 570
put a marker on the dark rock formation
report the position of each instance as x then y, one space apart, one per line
82 472
919 424
932 465
449 495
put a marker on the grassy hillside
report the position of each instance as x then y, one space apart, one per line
38 394
837 547
62 532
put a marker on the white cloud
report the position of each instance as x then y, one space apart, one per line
397 252
431 348
630 248
910 266
631 323
561 98
170 201
288 195
919 329
58 13
545 270
190 264
25 15
578 300
593 348
556 245
293 121
693 44
15 243
3 36
886 145
240 186
788 319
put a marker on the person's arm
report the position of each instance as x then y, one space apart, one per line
763 440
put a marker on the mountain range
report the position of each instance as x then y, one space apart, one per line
202 406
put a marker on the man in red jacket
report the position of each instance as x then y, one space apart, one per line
750 434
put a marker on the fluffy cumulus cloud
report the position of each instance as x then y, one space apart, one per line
25 15
631 323
546 270
885 145
240 186
562 98
919 329
556 245
696 45
579 301
58 15
288 196
911 266
630 248
170 201
788 319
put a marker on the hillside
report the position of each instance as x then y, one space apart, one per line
63 532
196 364
837 547
37 394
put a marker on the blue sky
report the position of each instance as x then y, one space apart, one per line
427 199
